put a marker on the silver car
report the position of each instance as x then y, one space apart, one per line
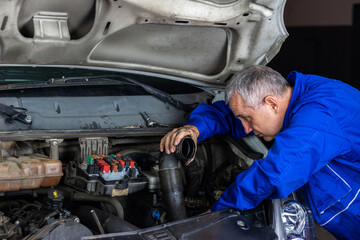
88 89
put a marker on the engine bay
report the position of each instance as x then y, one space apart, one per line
80 158
101 185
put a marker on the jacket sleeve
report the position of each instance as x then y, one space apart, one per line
311 141
215 119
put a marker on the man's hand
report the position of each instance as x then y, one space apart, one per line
173 138
208 211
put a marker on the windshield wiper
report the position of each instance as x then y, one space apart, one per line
61 82
153 91
15 115
162 96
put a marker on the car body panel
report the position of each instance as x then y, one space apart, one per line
226 224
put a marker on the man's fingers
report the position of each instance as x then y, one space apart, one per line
162 143
169 142
180 135
208 211
174 139
189 161
185 131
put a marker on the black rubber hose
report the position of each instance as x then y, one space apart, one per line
78 196
171 180
185 150
109 222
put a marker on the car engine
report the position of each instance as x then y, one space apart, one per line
71 188
80 159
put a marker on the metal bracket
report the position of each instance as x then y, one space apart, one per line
54 147
93 146
15 115
51 26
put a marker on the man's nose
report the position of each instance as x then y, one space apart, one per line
246 126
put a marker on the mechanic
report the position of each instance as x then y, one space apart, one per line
315 122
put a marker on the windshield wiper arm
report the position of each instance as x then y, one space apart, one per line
153 91
15 115
60 82
162 95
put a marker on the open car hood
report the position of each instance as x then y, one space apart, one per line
204 40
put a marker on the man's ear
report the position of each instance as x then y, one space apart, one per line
272 103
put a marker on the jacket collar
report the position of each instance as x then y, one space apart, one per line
296 81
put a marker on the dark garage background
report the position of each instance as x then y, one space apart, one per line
324 39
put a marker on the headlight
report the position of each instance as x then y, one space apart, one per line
291 219
294 218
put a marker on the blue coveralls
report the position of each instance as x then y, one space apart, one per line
318 148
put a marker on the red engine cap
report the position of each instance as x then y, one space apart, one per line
132 163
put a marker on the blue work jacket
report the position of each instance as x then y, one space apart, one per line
318 149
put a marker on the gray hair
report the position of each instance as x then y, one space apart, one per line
254 83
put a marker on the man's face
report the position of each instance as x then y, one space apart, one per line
264 121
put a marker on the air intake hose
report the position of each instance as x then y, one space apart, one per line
171 180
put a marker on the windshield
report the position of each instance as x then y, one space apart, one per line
31 75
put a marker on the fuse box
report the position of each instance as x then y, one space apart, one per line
113 175
110 167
